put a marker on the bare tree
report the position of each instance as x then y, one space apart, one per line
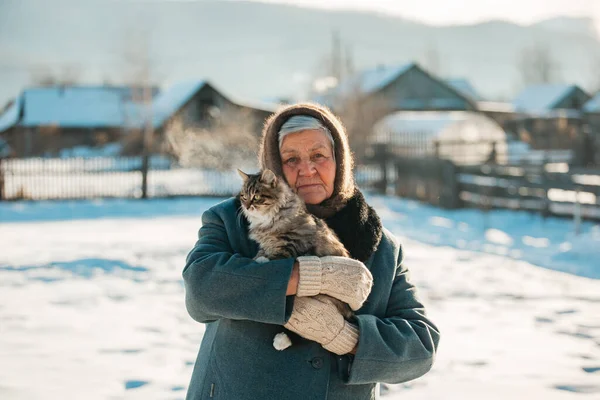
68 75
359 112
139 73
431 60
537 66
594 81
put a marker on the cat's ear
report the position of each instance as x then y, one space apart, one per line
243 175
269 177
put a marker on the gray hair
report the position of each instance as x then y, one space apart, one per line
299 123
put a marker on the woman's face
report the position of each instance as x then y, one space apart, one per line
308 165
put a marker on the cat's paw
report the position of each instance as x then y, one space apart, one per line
281 341
262 260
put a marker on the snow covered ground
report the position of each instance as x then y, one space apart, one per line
91 300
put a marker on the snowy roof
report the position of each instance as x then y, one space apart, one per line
539 98
454 125
75 106
267 106
591 106
464 87
10 116
68 106
172 99
366 81
495 106
103 106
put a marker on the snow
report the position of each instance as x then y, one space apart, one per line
108 150
40 179
459 133
365 82
10 116
465 88
74 106
172 99
92 301
540 98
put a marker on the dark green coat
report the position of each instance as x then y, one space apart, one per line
244 304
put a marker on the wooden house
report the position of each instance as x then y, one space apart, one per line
366 97
548 117
44 121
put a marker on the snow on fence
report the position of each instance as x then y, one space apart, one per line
98 177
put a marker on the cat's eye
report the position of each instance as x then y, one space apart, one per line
243 197
257 197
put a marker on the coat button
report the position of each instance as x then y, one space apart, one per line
317 363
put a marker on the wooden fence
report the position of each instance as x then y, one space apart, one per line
123 177
539 188
549 189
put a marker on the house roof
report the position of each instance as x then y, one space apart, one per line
68 106
374 79
593 105
464 87
539 98
451 125
172 99
77 106
103 106
364 82
10 116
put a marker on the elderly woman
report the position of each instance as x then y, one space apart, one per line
244 303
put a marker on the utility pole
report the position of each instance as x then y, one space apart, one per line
336 56
349 62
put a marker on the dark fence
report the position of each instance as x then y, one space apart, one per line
123 177
462 152
575 192
549 189
540 188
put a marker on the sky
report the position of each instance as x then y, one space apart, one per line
443 12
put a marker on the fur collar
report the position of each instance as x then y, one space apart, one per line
358 227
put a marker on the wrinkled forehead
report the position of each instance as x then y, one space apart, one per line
305 142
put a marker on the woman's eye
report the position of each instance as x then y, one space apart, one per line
291 160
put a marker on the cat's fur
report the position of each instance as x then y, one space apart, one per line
281 225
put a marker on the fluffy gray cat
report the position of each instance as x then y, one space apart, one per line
283 228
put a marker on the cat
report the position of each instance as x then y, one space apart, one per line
283 228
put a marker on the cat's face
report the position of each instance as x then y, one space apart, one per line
260 192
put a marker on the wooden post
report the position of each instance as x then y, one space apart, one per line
1 180
147 139
145 158
577 213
